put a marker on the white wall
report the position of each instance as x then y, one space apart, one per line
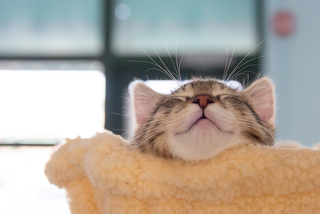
294 64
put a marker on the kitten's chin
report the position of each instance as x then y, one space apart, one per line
201 125
204 125
201 143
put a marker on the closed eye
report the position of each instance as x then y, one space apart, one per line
184 98
225 95
219 97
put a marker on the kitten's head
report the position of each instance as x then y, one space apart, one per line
202 118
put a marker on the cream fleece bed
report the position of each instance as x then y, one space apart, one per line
102 175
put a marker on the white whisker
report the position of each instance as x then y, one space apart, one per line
244 59
225 68
167 70
230 61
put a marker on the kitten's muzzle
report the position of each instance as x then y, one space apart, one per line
203 100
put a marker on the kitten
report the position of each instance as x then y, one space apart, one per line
203 118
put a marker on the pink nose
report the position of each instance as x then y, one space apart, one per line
203 100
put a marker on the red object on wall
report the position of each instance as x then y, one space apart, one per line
284 23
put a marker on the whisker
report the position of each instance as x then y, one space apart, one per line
157 69
230 61
154 62
179 68
115 113
258 57
173 78
177 74
246 71
177 58
143 61
225 68
242 68
244 58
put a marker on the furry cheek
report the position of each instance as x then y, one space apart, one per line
222 118
186 118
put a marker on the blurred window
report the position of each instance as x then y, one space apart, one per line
23 185
46 27
52 86
45 96
45 102
185 26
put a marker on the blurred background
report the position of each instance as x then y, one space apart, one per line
65 67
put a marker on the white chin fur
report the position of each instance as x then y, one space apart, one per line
195 146
205 139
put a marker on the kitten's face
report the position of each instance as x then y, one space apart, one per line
203 118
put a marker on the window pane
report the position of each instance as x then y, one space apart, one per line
24 187
206 26
45 106
46 27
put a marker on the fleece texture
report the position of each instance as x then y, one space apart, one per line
103 175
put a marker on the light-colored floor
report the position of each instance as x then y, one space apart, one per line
23 185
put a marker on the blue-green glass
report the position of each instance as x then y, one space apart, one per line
51 27
205 26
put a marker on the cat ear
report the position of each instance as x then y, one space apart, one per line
144 101
261 95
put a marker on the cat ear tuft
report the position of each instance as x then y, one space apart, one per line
261 95
144 101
